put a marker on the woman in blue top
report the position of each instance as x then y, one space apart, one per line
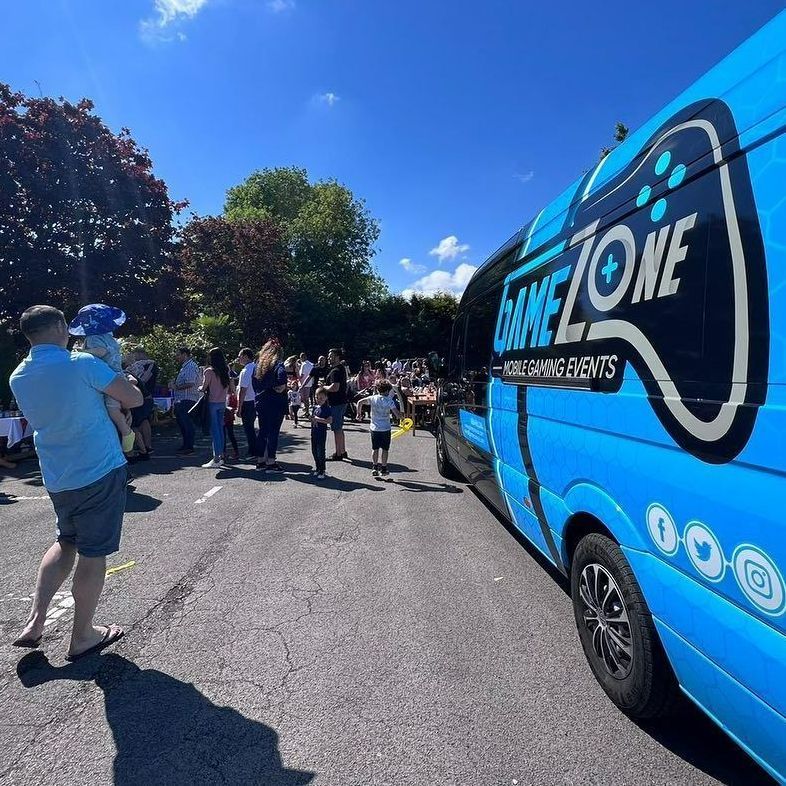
269 383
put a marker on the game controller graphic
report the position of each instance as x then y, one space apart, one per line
663 268
682 293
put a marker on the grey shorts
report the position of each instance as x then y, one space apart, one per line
338 412
91 518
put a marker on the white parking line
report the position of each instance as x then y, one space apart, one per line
208 494
63 603
18 499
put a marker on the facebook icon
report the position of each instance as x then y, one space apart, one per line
662 529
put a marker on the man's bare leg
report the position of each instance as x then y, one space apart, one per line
88 583
53 571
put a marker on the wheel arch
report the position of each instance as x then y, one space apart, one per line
578 526
589 509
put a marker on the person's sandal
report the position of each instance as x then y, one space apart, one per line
113 633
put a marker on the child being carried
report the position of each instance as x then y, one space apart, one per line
97 323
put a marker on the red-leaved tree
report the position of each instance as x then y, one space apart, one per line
82 216
240 268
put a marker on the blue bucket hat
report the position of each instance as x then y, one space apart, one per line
95 319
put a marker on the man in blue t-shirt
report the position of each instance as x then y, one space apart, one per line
83 469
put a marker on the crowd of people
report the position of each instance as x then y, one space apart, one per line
260 389
109 395
264 389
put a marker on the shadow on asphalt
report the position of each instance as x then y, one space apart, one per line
166 731
28 473
392 467
136 502
301 473
689 733
692 736
427 486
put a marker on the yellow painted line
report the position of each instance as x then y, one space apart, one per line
118 568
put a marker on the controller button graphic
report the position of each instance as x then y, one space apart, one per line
609 269
644 196
658 210
676 177
662 164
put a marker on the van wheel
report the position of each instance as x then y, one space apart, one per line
617 632
444 465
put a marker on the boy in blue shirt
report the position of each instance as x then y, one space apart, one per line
321 418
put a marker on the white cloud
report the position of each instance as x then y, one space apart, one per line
448 249
329 99
168 12
279 6
526 177
411 267
442 281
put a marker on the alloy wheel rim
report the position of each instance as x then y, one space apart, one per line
606 618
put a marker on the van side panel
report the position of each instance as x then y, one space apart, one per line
637 375
750 721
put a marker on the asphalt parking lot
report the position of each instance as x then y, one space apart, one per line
356 632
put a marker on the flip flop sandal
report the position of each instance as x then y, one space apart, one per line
113 634
27 643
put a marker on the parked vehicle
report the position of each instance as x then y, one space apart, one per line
617 388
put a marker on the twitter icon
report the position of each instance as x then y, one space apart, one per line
704 551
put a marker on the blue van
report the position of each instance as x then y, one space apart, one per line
616 387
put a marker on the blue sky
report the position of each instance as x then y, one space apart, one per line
456 121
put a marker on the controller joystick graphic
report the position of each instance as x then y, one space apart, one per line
688 307
664 269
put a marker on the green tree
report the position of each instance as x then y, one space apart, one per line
330 236
432 323
82 216
161 343
397 327
201 335
208 331
621 132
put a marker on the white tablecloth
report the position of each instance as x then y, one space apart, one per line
12 428
163 403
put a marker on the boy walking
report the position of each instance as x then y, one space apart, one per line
381 405
321 418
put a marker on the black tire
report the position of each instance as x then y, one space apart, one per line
444 465
644 685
